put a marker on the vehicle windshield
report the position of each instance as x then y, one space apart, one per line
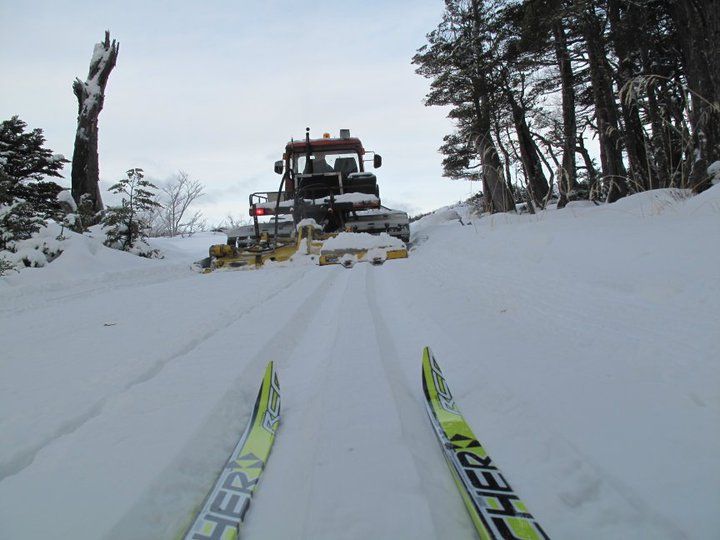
321 162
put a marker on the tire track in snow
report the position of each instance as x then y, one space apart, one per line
288 484
208 449
324 441
24 458
415 426
227 420
311 420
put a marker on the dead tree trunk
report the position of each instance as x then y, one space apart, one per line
91 97
660 140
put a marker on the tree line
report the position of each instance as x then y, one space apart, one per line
538 88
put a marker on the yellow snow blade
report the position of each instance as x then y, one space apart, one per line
348 257
223 256
308 241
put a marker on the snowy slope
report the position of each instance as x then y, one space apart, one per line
581 345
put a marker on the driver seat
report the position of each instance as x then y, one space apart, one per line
346 166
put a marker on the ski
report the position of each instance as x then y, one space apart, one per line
225 506
496 511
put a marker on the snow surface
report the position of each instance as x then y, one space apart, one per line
308 222
274 204
581 344
346 240
355 198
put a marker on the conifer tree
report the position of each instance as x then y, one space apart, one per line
27 199
461 61
26 163
127 225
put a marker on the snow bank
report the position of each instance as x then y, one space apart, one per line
443 215
85 256
714 171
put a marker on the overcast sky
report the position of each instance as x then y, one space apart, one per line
217 88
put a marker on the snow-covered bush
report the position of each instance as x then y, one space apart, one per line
21 243
126 226
18 220
714 172
77 217
27 200
70 220
5 265
23 238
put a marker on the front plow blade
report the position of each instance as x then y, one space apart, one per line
348 249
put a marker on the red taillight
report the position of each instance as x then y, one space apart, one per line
258 211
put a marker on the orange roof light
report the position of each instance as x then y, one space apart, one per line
326 135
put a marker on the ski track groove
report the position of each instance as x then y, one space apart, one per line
24 458
331 368
336 372
314 411
242 393
413 419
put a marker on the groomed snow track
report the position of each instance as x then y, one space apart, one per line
126 393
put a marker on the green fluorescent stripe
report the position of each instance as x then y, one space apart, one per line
443 417
471 466
238 479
